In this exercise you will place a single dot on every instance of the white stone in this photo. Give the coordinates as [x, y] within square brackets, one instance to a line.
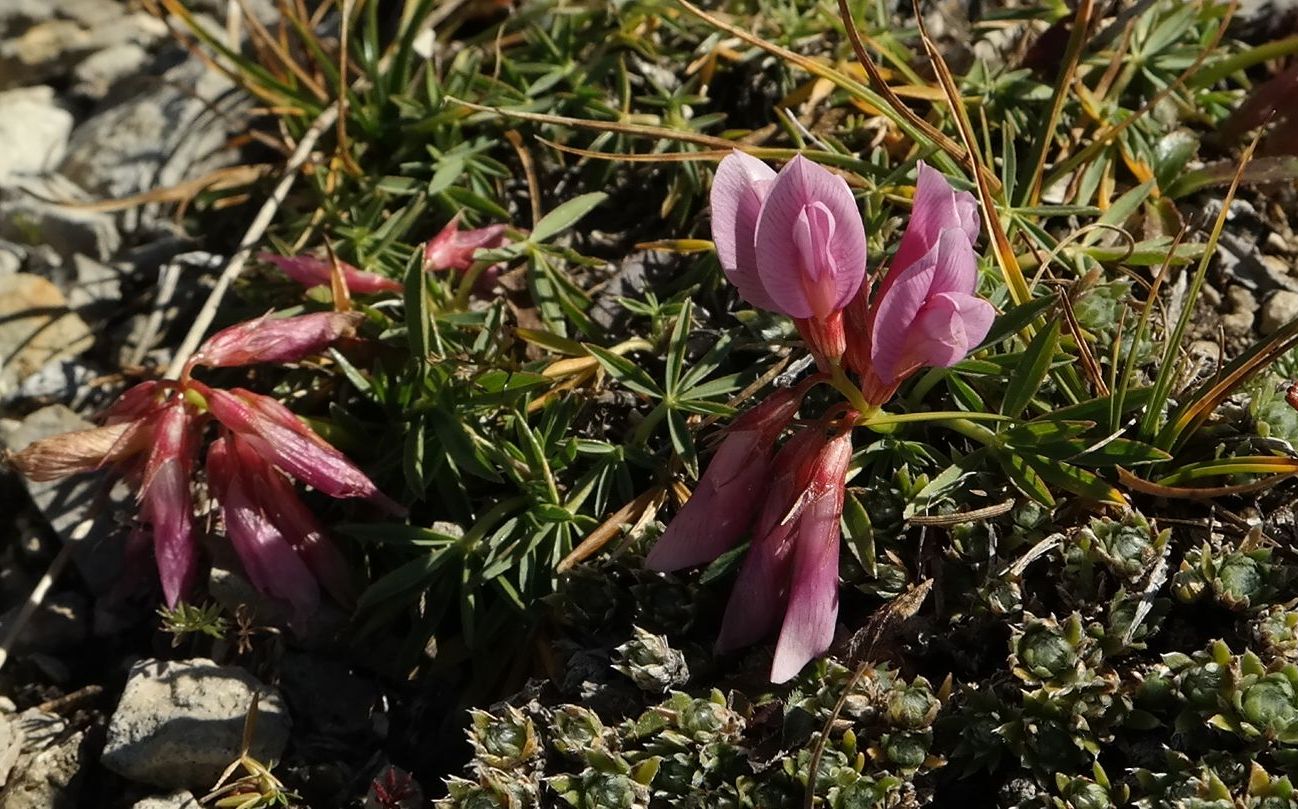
[1279, 310]
[34, 130]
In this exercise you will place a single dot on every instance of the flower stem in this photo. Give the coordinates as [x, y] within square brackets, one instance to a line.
[838, 379]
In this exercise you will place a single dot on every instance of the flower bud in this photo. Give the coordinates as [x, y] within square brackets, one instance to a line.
[276, 340]
[310, 271]
[453, 249]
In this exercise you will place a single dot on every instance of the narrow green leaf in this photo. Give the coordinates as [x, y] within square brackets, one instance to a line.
[1026, 379]
[626, 372]
[566, 215]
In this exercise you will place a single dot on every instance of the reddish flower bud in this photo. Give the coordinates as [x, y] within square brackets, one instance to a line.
[453, 249]
[310, 271]
[286, 339]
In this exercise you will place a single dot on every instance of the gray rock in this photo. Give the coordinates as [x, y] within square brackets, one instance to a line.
[42, 51]
[96, 287]
[48, 774]
[183, 284]
[1278, 311]
[74, 506]
[36, 327]
[180, 799]
[11, 746]
[34, 130]
[42, 211]
[180, 724]
[12, 257]
[1241, 309]
[100, 71]
[162, 135]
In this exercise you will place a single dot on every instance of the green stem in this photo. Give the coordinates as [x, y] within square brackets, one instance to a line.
[467, 282]
[838, 379]
[948, 417]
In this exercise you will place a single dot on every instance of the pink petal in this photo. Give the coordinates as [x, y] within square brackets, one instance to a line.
[136, 401]
[724, 503]
[276, 340]
[949, 325]
[166, 502]
[809, 620]
[937, 206]
[310, 271]
[810, 241]
[759, 593]
[956, 266]
[167, 506]
[271, 565]
[738, 190]
[895, 309]
[808, 628]
[720, 509]
[287, 443]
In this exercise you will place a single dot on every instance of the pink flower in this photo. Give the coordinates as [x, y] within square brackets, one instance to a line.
[237, 475]
[925, 312]
[285, 339]
[453, 249]
[310, 271]
[281, 438]
[721, 508]
[791, 569]
[792, 242]
[166, 503]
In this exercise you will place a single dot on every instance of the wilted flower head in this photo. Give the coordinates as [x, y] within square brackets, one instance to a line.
[791, 569]
[791, 242]
[721, 508]
[453, 249]
[285, 339]
[925, 312]
[151, 436]
[310, 271]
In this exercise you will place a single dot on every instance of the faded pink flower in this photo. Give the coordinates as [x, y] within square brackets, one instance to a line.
[790, 576]
[453, 249]
[310, 271]
[925, 313]
[791, 242]
[283, 440]
[721, 508]
[166, 503]
[238, 477]
[284, 339]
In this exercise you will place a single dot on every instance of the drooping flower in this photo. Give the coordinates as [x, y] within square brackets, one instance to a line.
[790, 576]
[721, 507]
[791, 242]
[166, 502]
[453, 249]
[238, 477]
[151, 436]
[925, 312]
[310, 271]
[285, 339]
[274, 432]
